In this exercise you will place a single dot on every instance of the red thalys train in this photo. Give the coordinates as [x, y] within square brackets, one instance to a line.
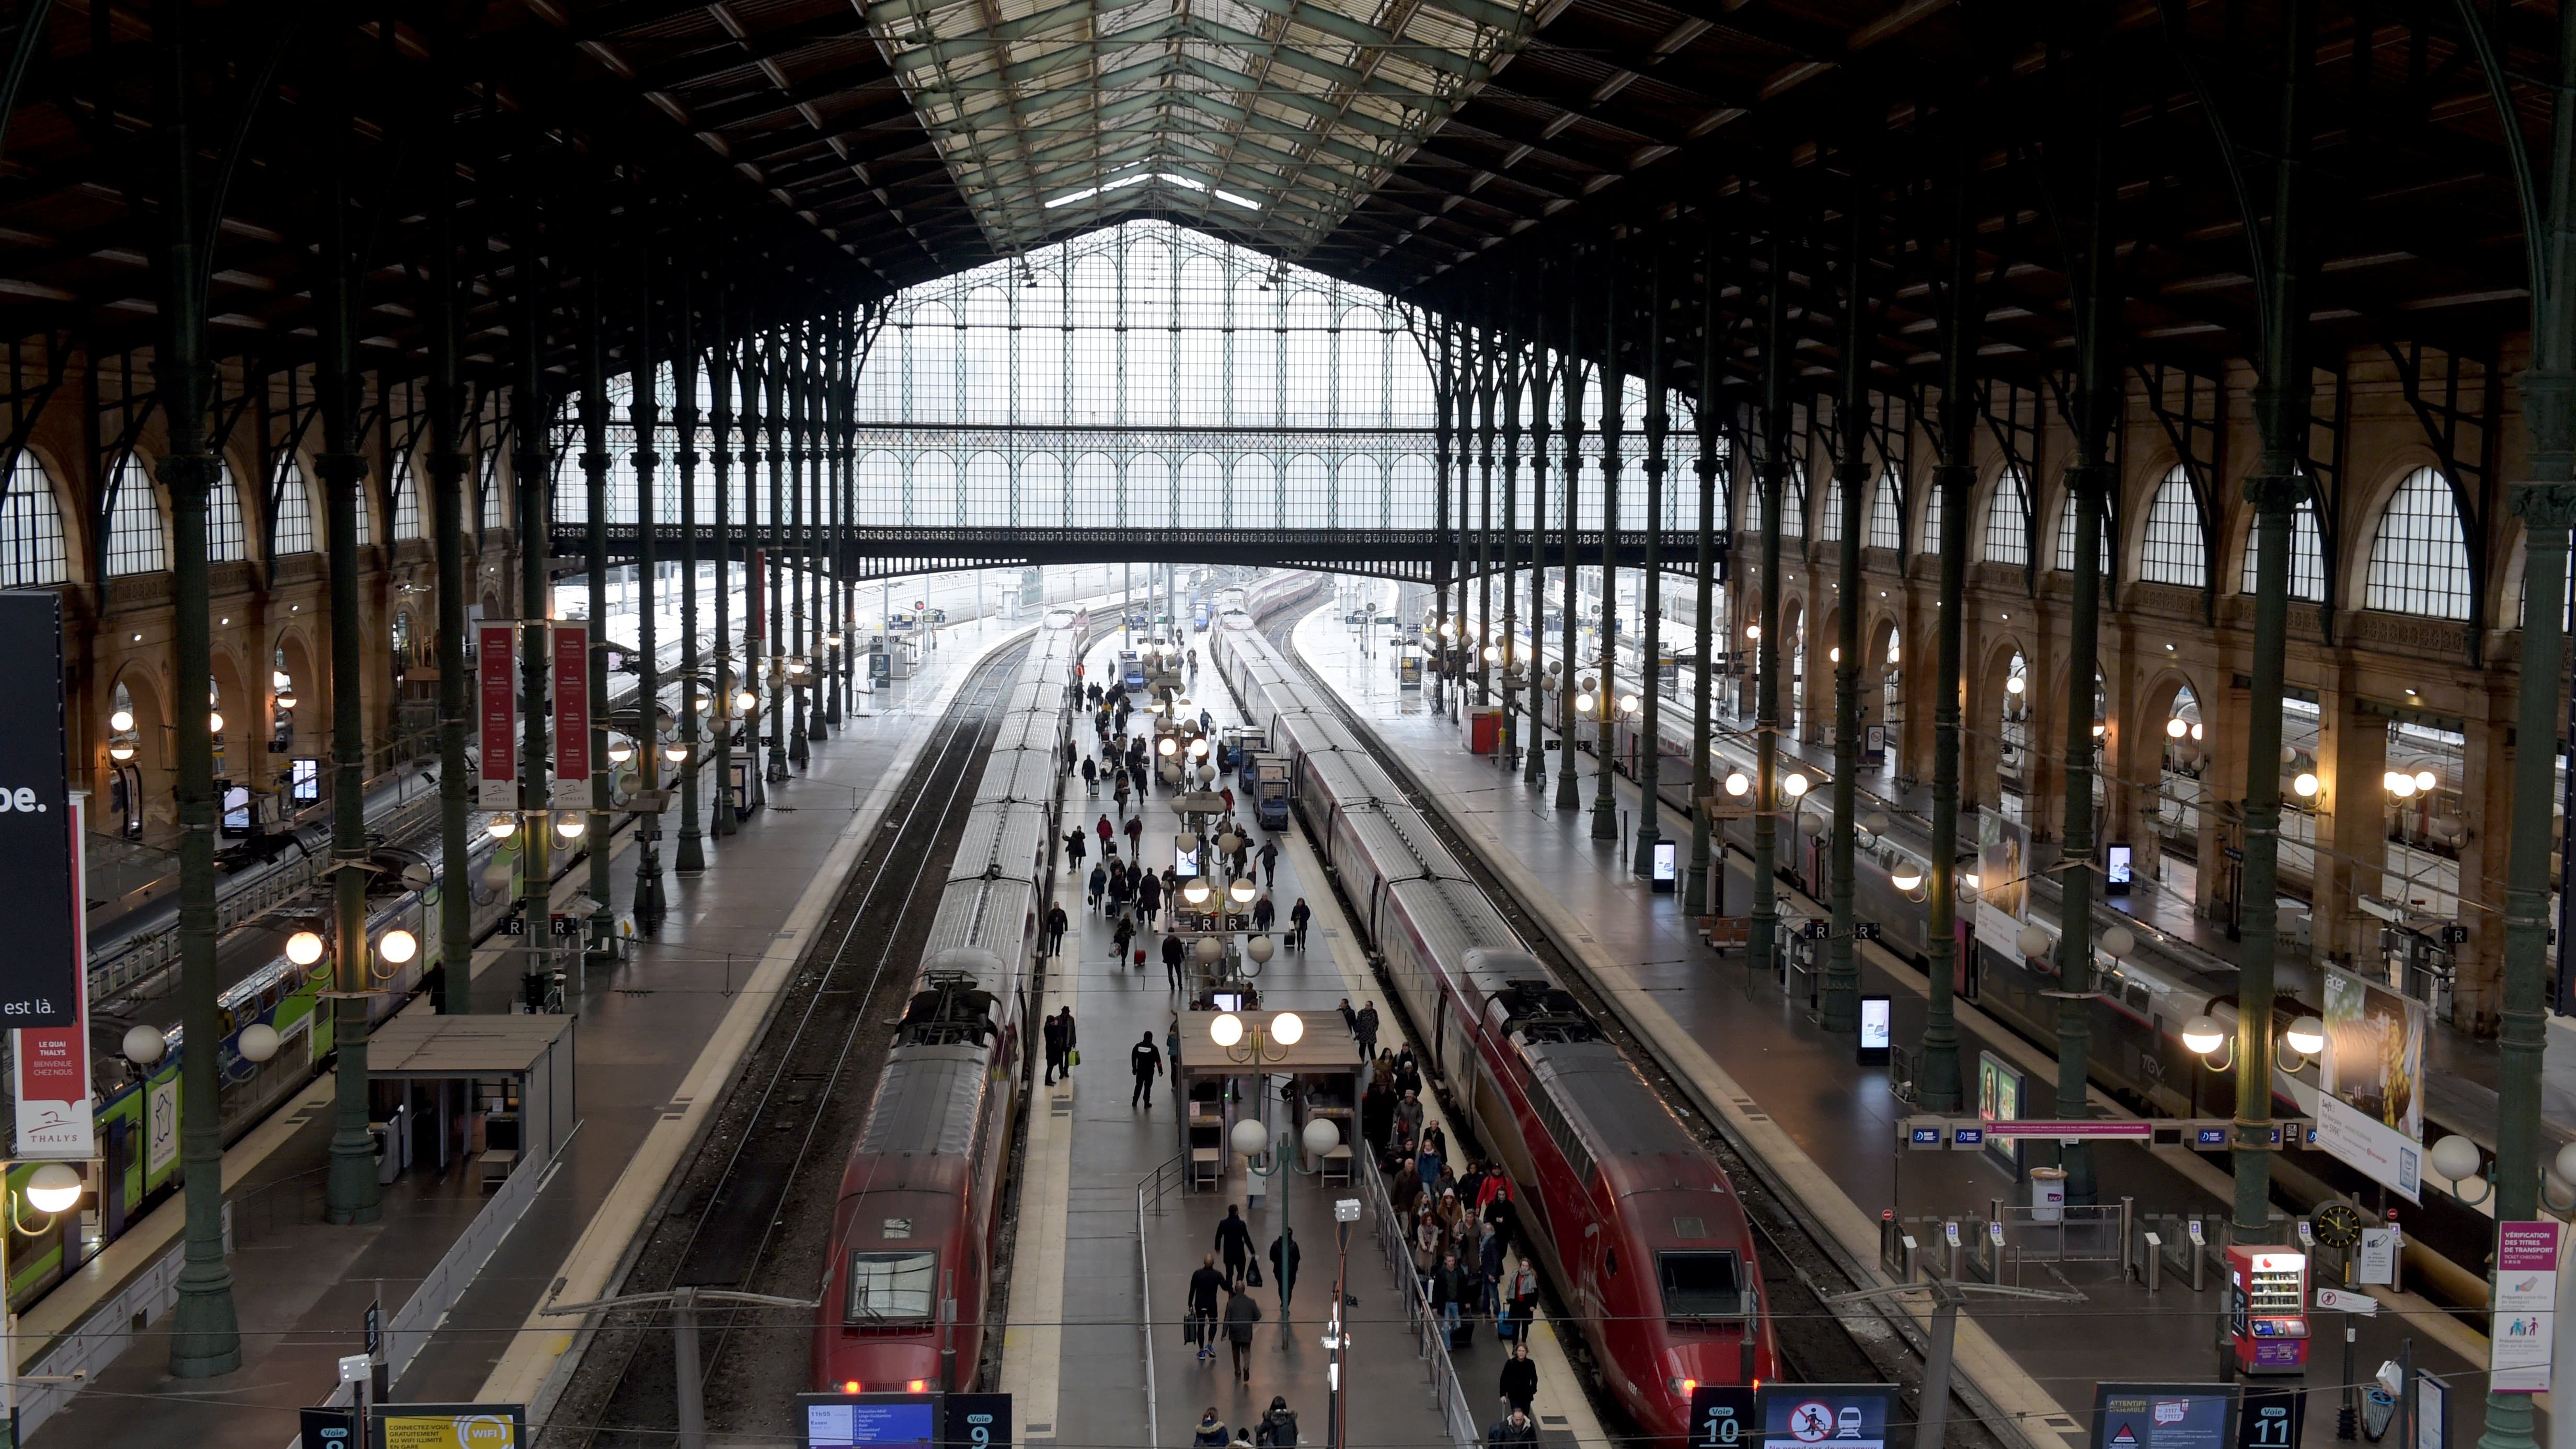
[1630, 1215]
[904, 1280]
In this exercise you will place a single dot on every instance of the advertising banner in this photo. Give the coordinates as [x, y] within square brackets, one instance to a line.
[53, 1116]
[2370, 1104]
[2524, 1313]
[2164, 1416]
[496, 653]
[2003, 880]
[40, 972]
[572, 717]
[450, 1426]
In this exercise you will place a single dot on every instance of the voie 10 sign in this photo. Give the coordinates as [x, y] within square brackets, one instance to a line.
[1825, 1416]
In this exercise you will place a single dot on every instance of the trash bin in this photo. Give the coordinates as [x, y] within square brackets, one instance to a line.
[2047, 1194]
[1484, 729]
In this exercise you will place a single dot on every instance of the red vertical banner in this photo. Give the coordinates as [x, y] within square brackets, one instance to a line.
[53, 1117]
[572, 717]
[496, 650]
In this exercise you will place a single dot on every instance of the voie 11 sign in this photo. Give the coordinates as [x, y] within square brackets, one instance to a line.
[1825, 1416]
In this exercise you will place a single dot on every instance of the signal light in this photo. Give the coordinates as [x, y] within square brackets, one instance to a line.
[917, 1386]
[850, 1386]
[1689, 1384]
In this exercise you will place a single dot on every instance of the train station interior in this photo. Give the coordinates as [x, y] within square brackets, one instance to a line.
[1383, 724]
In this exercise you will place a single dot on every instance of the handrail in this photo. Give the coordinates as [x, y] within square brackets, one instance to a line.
[1447, 1395]
[1145, 1288]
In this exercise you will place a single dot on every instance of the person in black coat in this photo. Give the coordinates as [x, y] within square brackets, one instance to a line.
[1512, 1430]
[1203, 1290]
[1283, 1267]
[1146, 1060]
[1364, 1026]
[1377, 1117]
[1173, 954]
[1053, 1031]
[1234, 1244]
[1520, 1378]
[1056, 922]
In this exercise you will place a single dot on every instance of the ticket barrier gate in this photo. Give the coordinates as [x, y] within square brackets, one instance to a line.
[1961, 1248]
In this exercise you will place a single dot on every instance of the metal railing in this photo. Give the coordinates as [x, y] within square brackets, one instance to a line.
[1149, 1193]
[1446, 1394]
[2077, 1234]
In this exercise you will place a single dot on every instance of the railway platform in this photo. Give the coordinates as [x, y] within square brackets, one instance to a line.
[1825, 1130]
[1110, 1232]
[654, 1039]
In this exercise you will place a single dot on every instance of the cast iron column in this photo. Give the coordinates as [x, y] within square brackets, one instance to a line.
[1704, 848]
[800, 452]
[534, 465]
[644, 410]
[1605, 739]
[1650, 674]
[692, 856]
[1487, 363]
[594, 473]
[721, 713]
[205, 1338]
[1534, 768]
[1444, 388]
[2090, 482]
[776, 537]
[1515, 659]
[1936, 1068]
[350, 1192]
[1569, 791]
[455, 699]
[1841, 984]
[1762, 934]
[2281, 409]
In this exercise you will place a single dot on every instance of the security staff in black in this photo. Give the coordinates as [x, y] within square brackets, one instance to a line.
[1146, 1060]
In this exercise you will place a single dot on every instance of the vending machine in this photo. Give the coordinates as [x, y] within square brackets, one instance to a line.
[2267, 1309]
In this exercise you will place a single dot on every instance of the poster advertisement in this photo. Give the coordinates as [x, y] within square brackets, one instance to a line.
[53, 1109]
[572, 717]
[496, 653]
[450, 1426]
[41, 973]
[2524, 1314]
[2003, 880]
[162, 1142]
[2164, 1416]
[2370, 1109]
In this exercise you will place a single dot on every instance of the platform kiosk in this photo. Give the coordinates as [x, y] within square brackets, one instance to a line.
[500, 1084]
[1223, 1082]
[2267, 1308]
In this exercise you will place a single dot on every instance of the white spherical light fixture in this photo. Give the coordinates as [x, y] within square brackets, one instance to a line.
[144, 1045]
[1226, 1030]
[1250, 1138]
[54, 1188]
[1287, 1028]
[257, 1042]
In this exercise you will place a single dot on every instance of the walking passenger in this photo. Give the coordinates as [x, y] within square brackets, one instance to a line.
[1240, 1314]
[1203, 1290]
[1146, 1061]
[1234, 1244]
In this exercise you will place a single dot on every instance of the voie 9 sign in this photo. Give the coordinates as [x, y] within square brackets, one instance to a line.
[40, 973]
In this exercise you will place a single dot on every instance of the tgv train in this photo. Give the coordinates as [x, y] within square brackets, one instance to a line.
[914, 1231]
[1635, 1221]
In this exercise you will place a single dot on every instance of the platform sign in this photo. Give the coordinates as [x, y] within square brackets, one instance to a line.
[847, 1421]
[449, 1426]
[54, 1120]
[1825, 1416]
[2164, 1416]
[46, 960]
[975, 1421]
[330, 1427]
[2271, 1416]
[1721, 1415]
[2523, 1313]
[496, 716]
[2370, 1096]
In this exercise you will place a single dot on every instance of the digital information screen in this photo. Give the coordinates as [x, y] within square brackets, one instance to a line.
[2164, 1416]
[1877, 1029]
[844, 1421]
[1827, 1416]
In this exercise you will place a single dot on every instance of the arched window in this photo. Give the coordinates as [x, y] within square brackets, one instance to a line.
[1932, 518]
[135, 544]
[1793, 504]
[1829, 529]
[2008, 521]
[31, 528]
[2307, 556]
[406, 499]
[2066, 542]
[224, 518]
[294, 511]
[1886, 516]
[2419, 562]
[493, 505]
[2176, 551]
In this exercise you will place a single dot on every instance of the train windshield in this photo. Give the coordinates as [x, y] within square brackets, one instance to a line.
[891, 1287]
[1700, 1285]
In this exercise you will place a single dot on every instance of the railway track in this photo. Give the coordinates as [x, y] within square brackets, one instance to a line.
[753, 1209]
[1818, 1342]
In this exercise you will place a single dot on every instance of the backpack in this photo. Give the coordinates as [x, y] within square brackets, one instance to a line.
[1279, 1430]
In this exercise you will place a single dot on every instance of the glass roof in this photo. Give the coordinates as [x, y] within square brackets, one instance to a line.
[1271, 119]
